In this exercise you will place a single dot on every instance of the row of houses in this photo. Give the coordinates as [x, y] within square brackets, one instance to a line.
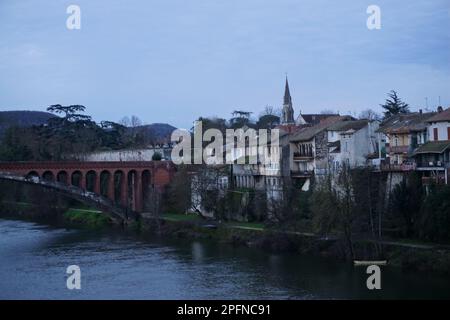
[314, 145]
[418, 141]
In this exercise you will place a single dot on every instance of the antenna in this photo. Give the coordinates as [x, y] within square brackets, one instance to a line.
[439, 100]
[426, 102]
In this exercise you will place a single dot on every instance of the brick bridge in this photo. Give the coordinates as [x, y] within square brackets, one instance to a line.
[126, 184]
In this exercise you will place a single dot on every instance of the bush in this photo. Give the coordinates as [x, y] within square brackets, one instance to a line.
[156, 156]
[435, 219]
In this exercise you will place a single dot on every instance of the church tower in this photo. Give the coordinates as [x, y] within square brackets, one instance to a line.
[287, 116]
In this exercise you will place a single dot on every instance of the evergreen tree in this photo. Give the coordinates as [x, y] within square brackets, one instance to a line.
[394, 105]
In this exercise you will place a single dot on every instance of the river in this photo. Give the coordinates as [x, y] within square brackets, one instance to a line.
[123, 265]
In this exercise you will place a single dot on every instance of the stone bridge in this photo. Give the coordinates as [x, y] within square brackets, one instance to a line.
[123, 187]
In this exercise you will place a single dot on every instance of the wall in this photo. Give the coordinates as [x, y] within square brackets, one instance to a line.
[442, 130]
[125, 155]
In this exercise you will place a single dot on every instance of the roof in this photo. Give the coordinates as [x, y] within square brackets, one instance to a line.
[315, 118]
[308, 133]
[433, 147]
[336, 145]
[348, 125]
[288, 128]
[405, 123]
[440, 116]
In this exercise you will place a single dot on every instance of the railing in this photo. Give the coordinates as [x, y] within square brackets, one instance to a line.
[300, 156]
[301, 174]
[398, 167]
[397, 149]
[433, 164]
[433, 180]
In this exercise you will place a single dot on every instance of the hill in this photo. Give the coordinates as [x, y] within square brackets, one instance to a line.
[22, 119]
[159, 132]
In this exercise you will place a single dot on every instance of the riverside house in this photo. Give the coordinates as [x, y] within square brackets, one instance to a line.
[433, 157]
[403, 134]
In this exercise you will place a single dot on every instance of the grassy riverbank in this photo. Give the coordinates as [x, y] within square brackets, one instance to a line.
[76, 217]
[403, 254]
[86, 217]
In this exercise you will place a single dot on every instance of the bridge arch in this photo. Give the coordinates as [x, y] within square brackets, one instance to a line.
[147, 187]
[32, 174]
[62, 177]
[91, 181]
[134, 189]
[76, 179]
[105, 177]
[48, 175]
[120, 195]
[117, 214]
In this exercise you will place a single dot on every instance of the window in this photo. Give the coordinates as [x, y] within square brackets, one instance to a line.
[435, 134]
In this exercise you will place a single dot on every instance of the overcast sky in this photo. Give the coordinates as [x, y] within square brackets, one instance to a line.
[174, 60]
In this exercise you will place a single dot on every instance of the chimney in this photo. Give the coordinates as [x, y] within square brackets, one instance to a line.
[420, 111]
[440, 109]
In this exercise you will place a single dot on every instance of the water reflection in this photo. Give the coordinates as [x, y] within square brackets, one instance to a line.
[122, 265]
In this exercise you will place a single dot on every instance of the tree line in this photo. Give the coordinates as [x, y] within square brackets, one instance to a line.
[71, 132]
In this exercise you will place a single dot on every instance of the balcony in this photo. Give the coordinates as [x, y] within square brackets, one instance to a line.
[426, 181]
[398, 167]
[301, 174]
[398, 149]
[433, 165]
[299, 156]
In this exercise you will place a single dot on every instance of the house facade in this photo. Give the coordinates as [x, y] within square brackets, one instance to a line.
[403, 134]
[351, 142]
[309, 152]
[433, 157]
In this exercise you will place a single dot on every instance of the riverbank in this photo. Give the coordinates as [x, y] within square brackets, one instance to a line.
[70, 217]
[407, 256]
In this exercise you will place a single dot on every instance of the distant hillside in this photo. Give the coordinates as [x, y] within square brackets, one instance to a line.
[22, 119]
[159, 131]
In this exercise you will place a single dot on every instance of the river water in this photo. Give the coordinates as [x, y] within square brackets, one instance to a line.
[123, 265]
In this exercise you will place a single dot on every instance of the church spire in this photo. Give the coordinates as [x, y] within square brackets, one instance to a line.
[288, 110]
[287, 94]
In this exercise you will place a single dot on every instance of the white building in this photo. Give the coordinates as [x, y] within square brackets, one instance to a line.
[351, 142]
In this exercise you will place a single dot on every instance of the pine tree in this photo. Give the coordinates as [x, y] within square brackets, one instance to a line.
[394, 105]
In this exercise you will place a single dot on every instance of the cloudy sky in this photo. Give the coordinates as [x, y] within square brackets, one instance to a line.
[174, 60]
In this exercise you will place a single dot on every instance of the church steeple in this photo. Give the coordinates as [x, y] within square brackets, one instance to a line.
[287, 94]
[288, 110]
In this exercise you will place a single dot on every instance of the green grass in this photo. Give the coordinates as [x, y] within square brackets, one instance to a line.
[247, 225]
[181, 217]
[20, 205]
[90, 218]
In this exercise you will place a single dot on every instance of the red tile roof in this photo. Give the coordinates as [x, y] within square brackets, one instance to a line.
[440, 116]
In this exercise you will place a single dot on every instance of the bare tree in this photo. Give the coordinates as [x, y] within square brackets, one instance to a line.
[271, 111]
[369, 114]
[125, 121]
[205, 189]
[135, 121]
